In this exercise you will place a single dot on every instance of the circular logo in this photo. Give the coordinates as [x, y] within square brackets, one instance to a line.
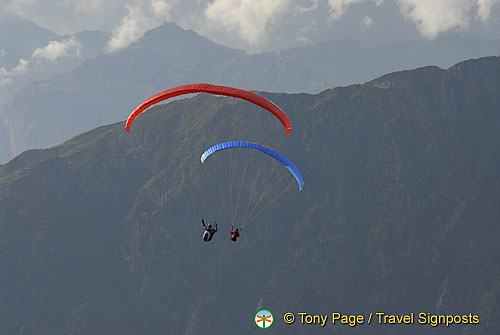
[264, 319]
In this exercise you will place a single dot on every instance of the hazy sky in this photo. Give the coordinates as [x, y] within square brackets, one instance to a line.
[263, 25]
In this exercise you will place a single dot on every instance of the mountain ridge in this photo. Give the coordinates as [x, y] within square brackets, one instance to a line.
[398, 214]
[168, 56]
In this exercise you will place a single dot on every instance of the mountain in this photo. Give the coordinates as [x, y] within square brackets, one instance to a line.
[105, 89]
[19, 38]
[340, 62]
[443, 51]
[344, 62]
[399, 214]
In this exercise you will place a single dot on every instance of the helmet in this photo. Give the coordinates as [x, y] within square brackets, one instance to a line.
[209, 225]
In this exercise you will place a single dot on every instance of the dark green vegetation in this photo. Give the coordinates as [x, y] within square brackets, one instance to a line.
[400, 213]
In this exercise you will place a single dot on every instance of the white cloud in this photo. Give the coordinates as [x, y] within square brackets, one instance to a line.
[339, 7]
[140, 18]
[2, 52]
[5, 81]
[54, 49]
[67, 48]
[367, 21]
[250, 24]
[433, 17]
[484, 9]
[314, 5]
[19, 69]
[161, 8]
[69, 16]
[247, 18]
[85, 6]
[130, 29]
[302, 34]
[76, 5]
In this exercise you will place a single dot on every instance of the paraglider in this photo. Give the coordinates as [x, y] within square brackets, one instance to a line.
[234, 234]
[208, 231]
[249, 182]
[268, 151]
[259, 195]
[212, 89]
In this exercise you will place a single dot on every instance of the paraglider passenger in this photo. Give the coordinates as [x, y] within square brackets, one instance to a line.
[209, 230]
[234, 234]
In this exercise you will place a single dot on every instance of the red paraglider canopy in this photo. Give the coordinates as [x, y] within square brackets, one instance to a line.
[212, 89]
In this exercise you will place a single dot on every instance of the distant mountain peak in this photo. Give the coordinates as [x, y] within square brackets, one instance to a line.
[174, 35]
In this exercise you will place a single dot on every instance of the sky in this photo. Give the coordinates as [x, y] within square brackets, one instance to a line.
[267, 25]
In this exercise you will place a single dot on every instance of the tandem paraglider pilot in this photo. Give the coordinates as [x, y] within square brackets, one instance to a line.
[234, 234]
[209, 231]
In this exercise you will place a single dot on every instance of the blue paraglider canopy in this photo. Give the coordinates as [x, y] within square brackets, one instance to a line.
[268, 151]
